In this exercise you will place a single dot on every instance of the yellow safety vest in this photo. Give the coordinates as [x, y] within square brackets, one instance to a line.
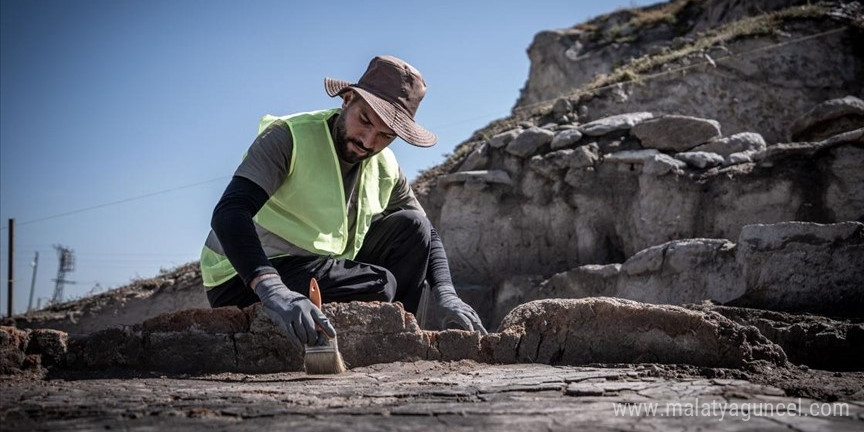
[309, 208]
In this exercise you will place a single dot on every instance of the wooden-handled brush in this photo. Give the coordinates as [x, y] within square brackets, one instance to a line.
[322, 359]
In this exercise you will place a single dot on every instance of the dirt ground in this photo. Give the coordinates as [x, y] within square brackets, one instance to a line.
[451, 396]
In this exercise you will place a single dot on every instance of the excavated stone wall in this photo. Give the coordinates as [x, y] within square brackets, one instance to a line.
[608, 195]
[557, 332]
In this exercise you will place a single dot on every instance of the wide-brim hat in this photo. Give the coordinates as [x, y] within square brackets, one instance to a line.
[394, 89]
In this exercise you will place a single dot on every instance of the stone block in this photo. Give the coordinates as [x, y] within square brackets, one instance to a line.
[504, 138]
[457, 344]
[609, 330]
[219, 320]
[614, 123]
[189, 352]
[500, 347]
[113, 347]
[477, 159]
[366, 317]
[366, 349]
[675, 132]
[738, 143]
[530, 142]
[700, 160]
[661, 164]
[51, 345]
[565, 138]
[268, 353]
[13, 345]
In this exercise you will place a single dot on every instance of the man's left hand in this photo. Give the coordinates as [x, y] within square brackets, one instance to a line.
[453, 311]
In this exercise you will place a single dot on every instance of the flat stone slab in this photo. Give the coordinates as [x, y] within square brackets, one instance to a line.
[614, 123]
[676, 132]
[414, 396]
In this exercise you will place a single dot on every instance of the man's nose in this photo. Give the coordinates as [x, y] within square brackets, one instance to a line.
[367, 139]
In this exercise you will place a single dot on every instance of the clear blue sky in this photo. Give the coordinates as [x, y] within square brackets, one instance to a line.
[105, 101]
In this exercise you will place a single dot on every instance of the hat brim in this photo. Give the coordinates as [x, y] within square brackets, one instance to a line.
[392, 115]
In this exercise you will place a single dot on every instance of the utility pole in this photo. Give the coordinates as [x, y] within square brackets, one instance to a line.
[11, 263]
[35, 265]
[67, 264]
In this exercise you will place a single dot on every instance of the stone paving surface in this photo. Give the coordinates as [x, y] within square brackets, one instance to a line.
[407, 396]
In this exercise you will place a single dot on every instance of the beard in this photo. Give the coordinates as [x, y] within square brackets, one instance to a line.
[343, 143]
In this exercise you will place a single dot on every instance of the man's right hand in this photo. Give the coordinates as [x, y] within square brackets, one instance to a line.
[293, 312]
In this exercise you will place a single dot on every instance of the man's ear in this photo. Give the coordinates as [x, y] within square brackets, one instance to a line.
[347, 97]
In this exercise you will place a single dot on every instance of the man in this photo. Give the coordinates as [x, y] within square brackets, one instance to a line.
[320, 195]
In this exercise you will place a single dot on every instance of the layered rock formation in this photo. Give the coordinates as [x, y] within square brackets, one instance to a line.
[791, 266]
[731, 61]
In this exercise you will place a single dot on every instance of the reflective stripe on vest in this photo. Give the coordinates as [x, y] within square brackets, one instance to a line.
[309, 208]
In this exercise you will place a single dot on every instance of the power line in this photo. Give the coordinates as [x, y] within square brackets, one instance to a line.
[72, 212]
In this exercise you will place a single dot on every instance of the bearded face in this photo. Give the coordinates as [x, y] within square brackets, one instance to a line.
[359, 133]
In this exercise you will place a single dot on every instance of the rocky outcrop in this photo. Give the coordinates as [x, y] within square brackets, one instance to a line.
[595, 202]
[747, 74]
[567, 59]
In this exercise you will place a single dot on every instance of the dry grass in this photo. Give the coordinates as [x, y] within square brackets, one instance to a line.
[752, 26]
[666, 13]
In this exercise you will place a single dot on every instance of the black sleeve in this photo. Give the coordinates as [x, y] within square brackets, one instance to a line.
[438, 271]
[232, 223]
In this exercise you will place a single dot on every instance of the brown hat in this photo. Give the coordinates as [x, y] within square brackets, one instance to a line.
[394, 89]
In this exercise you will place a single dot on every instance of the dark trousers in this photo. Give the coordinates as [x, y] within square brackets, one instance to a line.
[390, 266]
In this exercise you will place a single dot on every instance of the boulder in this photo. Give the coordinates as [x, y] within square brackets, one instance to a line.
[552, 164]
[614, 123]
[829, 118]
[738, 143]
[530, 142]
[566, 138]
[738, 158]
[701, 160]
[661, 164]
[675, 132]
[477, 159]
[803, 267]
[504, 138]
[610, 330]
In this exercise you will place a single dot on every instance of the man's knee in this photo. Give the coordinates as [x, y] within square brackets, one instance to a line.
[413, 221]
[385, 292]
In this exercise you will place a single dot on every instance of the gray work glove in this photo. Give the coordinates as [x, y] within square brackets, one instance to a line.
[453, 311]
[293, 312]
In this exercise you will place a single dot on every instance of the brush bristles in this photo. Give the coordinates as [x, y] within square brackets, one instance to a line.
[324, 359]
